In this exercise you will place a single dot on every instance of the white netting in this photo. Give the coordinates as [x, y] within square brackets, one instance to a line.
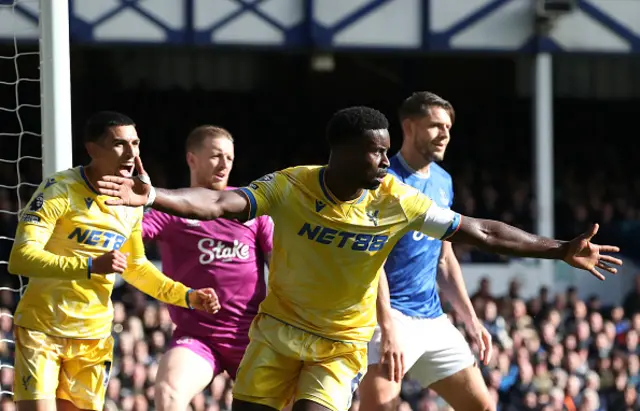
[20, 153]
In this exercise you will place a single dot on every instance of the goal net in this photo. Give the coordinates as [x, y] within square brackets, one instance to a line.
[20, 153]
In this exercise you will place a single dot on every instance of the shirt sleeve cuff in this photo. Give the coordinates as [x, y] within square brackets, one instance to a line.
[253, 205]
[187, 299]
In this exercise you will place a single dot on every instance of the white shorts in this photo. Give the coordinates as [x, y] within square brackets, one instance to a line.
[433, 348]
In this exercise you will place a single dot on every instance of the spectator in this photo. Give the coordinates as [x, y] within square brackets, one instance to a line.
[631, 302]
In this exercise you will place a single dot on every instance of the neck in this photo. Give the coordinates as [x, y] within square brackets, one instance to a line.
[194, 184]
[340, 187]
[415, 160]
[93, 174]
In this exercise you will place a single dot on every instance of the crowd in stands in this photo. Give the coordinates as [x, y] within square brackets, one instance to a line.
[553, 352]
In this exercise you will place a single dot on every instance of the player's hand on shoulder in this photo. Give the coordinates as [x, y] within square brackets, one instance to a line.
[108, 263]
[129, 191]
[205, 299]
[585, 255]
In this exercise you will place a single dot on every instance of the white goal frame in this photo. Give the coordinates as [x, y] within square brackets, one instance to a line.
[55, 99]
[55, 86]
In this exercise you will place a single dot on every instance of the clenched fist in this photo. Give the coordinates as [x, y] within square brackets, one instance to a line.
[108, 263]
[204, 299]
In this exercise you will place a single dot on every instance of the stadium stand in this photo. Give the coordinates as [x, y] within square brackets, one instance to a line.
[551, 353]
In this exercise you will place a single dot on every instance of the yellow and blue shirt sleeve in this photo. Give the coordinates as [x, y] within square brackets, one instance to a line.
[37, 223]
[265, 194]
[425, 215]
[143, 275]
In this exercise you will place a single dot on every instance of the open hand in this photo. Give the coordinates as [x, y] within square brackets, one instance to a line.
[205, 299]
[482, 338]
[129, 191]
[583, 254]
[391, 355]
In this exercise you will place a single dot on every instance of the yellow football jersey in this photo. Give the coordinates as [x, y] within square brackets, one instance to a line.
[327, 253]
[64, 227]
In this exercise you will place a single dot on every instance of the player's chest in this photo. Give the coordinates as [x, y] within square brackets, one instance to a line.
[346, 226]
[367, 214]
[439, 193]
[219, 240]
[90, 222]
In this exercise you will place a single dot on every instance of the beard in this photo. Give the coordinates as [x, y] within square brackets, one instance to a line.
[428, 153]
[206, 180]
[371, 185]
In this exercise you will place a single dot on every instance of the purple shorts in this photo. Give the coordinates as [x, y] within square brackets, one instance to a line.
[221, 356]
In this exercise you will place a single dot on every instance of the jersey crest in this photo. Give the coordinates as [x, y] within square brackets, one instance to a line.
[37, 203]
[444, 197]
[51, 181]
[373, 216]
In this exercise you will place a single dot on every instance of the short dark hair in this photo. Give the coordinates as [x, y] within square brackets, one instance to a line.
[200, 133]
[354, 122]
[418, 104]
[96, 126]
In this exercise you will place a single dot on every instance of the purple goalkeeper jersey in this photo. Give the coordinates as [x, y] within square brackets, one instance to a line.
[225, 255]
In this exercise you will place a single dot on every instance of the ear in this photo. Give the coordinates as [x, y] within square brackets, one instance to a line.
[191, 159]
[407, 127]
[92, 149]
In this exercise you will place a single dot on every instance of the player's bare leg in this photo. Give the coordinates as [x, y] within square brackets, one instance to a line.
[465, 390]
[47, 405]
[36, 405]
[239, 405]
[181, 375]
[306, 405]
[377, 392]
[64, 405]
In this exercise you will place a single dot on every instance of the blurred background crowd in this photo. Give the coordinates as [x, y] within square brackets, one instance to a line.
[551, 353]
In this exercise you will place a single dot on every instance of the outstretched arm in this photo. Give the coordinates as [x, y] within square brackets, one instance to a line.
[197, 203]
[202, 203]
[500, 238]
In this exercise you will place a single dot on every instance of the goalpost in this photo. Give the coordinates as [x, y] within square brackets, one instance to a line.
[55, 86]
[44, 24]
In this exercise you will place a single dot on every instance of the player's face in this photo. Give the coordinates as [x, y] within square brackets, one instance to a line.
[116, 151]
[212, 163]
[370, 161]
[429, 134]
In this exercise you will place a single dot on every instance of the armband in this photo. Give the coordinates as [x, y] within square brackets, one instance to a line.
[152, 197]
[152, 193]
[187, 299]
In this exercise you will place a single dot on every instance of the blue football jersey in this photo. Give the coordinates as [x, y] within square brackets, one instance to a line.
[412, 265]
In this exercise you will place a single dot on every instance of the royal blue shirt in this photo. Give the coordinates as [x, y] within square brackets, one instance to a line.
[413, 263]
